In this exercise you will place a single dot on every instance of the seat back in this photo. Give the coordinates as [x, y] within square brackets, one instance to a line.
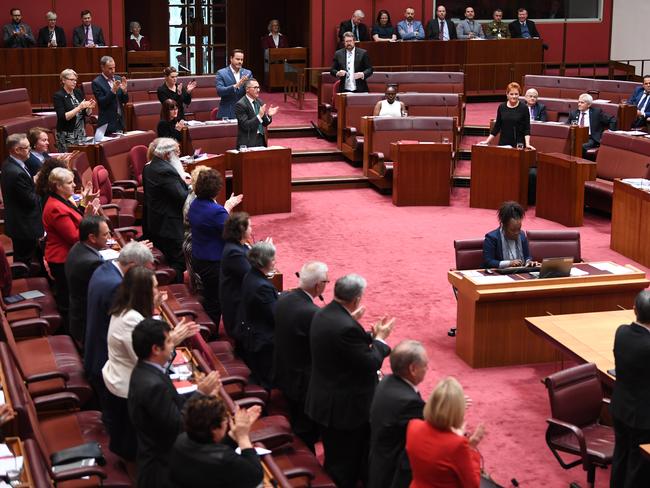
[326, 88]
[386, 130]
[554, 244]
[575, 394]
[418, 81]
[143, 89]
[137, 160]
[114, 154]
[81, 168]
[102, 182]
[144, 115]
[214, 139]
[201, 108]
[206, 85]
[469, 253]
[621, 156]
[548, 138]
[14, 103]
[572, 87]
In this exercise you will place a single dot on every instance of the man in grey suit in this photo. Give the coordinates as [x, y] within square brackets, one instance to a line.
[17, 33]
[253, 116]
[230, 84]
[87, 35]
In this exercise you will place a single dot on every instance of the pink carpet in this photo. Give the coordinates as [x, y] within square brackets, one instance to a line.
[289, 114]
[479, 114]
[329, 168]
[303, 143]
[405, 253]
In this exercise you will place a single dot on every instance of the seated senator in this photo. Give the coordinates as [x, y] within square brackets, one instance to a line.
[170, 125]
[390, 107]
[137, 42]
[507, 246]
[383, 30]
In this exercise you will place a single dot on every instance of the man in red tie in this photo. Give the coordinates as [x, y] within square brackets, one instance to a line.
[87, 35]
[440, 28]
[593, 118]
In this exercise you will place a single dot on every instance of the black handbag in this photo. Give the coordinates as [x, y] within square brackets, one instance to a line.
[90, 450]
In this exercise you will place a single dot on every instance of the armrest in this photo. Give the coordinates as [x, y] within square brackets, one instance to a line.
[576, 431]
[250, 402]
[19, 270]
[57, 401]
[20, 306]
[50, 375]
[127, 230]
[26, 328]
[298, 472]
[349, 131]
[376, 162]
[118, 191]
[182, 312]
[229, 380]
[125, 183]
[111, 206]
[77, 473]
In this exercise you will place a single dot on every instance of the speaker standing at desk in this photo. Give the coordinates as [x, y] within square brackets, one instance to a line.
[252, 116]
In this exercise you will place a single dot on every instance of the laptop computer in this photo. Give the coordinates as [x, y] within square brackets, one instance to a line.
[556, 268]
[99, 133]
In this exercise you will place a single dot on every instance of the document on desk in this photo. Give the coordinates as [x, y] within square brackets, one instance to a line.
[612, 268]
[492, 279]
[473, 273]
[578, 272]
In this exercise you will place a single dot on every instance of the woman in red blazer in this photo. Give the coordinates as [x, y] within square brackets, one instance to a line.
[440, 454]
[274, 38]
[61, 219]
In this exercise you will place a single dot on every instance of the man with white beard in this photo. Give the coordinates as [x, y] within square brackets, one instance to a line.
[165, 191]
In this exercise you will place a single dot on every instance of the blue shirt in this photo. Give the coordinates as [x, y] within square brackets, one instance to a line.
[206, 221]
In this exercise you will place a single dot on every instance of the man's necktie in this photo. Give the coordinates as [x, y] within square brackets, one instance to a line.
[86, 35]
[53, 38]
[581, 123]
[260, 126]
[356, 33]
[409, 27]
[441, 34]
[643, 102]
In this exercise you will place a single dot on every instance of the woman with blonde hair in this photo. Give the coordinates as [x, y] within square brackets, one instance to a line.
[440, 454]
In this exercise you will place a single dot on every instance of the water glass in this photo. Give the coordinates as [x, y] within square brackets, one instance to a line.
[243, 148]
[445, 140]
[520, 145]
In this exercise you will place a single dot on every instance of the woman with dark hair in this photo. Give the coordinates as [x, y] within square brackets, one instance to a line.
[42, 185]
[258, 299]
[200, 459]
[40, 143]
[507, 246]
[207, 218]
[70, 107]
[135, 300]
[170, 124]
[383, 30]
[175, 91]
[238, 237]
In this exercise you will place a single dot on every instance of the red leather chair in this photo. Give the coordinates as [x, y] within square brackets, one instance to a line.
[120, 211]
[576, 398]
[213, 113]
[137, 161]
[469, 253]
[554, 244]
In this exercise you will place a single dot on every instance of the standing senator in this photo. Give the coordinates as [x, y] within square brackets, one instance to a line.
[630, 405]
[345, 361]
[230, 84]
[641, 98]
[593, 118]
[17, 33]
[87, 35]
[253, 116]
[110, 91]
[51, 35]
[352, 66]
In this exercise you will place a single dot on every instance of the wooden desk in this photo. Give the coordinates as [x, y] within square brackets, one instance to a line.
[421, 173]
[263, 177]
[630, 233]
[144, 64]
[490, 322]
[17, 447]
[274, 64]
[499, 174]
[561, 187]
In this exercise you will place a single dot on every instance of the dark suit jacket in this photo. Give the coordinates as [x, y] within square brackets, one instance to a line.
[234, 267]
[292, 363]
[394, 404]
[346, 26]
[345, 361]
[79, 36]
[247, 122]
[167, 128]
[34, 164]
[22, 205]
[493, 251]
[107, 102]
[267, 42]
[540, 112]
[101, 291]
[197, 465]
[165, 193]
[226, 90]
[631, 395]
[155, 411]
[515, 29]
[361, 64]
[433, 29]
[181, 100]
[258, 300]
[44, 37]
[62, 102]
[598, 122]
[636, 98]
[81, 263]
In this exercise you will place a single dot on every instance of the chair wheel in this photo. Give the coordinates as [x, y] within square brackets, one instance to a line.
[452, 332]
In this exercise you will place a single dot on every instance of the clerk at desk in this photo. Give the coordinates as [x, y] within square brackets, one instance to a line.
[507, 246]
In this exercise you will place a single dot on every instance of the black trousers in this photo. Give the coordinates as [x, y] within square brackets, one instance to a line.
[303, 426]
[61, 295]
[209, 273]
[590, 144]
[25, 250]
[173, 251]
[346, 455]
[629, 468]
[123, 439]
[260, 363]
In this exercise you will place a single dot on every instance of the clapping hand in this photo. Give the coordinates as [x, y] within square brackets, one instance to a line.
[191, 86]
[180, 124]
[209, 385]
[341, 73]
[383, 327]
[184, 330]
[6, 413]
[233, 201]
[179, 87]
[358, 313]
[241, 81]
[124, 84]
[476, 437]
[262, 111]
[273, 109]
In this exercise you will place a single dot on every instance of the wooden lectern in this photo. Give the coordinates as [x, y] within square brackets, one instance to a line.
[146, 62]
[274, 64]
[631, 222]
[561, 187]
[421, 173]
[263, 176]
[499, 174]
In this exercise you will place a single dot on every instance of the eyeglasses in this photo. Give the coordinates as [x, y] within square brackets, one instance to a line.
[71, 79]
[255, 87]
[24, 148]
[324, 281]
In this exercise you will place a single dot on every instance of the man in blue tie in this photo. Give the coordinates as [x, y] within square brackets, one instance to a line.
[522, 28]
[641, 98]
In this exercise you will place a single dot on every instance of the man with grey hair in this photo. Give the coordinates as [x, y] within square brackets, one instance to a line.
[292, 362]
[593, 118]
[110, 91]
[23, 220]
[356, 26]
[101, 291]
[396, 401]
[345, 361]
[165, 192]
[51, 35]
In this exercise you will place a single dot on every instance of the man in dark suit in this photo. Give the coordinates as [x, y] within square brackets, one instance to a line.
[80, 264]
[352, 66]
[630, 405]
[441, 28]
[230, 84]
[292, 362]
[87, 35]
[101, 291]
[17, 33]
[153, 402]
[396, 401]
[253, 116]
[356, 26]
[165, 192]
[51, 35]
[641, 98]
[110, 91]
[593, 118]
[22, 205]
[522, 27]
[345, 361]
[536, 110]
